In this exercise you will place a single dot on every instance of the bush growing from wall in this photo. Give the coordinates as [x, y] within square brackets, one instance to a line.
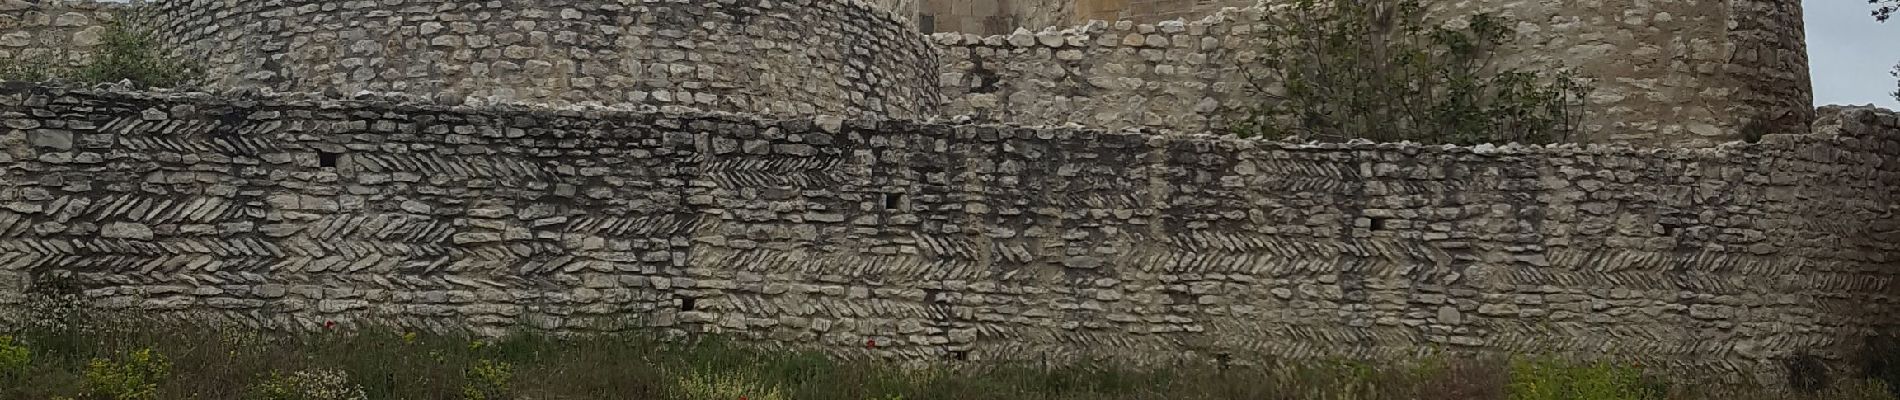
[1337, 70]
[128, 51]
[32, 69]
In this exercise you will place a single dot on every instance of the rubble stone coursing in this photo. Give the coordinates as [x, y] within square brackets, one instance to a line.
[951, 241]
[1662, 73]
[991, 17]
[994, 17]
[798, 57]
[54, 33]
[1690, 74]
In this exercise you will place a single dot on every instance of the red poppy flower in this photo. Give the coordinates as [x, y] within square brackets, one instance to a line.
[870, 344]
[329, 324]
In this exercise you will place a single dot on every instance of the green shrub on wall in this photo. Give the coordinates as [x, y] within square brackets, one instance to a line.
[32, 69]
[1342, 69]
[128, 51]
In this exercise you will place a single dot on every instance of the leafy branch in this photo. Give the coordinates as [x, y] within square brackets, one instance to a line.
[1343, 69]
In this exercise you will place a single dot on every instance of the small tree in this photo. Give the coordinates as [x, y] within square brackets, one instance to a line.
[1345, 69]
[130, 51]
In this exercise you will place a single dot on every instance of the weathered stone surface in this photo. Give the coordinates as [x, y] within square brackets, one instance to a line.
[1031, 240]
[56, 33]
[789, 58]
[123, 230]
[1449, 315]
[1008, 242]
[54, 139]
[1727, 70]
[1184, 65]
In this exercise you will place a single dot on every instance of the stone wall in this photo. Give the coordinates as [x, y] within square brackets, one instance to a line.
[904, 9]
[783, 57]
[998, 17]
[943, 241]
[51, 32]
[994, 16]
[1666, 74]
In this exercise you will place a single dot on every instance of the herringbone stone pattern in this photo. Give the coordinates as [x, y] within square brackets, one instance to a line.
[950, 241]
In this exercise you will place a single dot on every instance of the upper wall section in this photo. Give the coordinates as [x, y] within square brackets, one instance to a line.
[780, 57]
[1666, 74]
[905, 9]
[993, 17]
[51, 32]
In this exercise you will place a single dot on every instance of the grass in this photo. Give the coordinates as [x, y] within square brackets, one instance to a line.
[155, 360]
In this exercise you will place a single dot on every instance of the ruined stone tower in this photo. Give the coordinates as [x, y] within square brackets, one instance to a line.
[1690, 73]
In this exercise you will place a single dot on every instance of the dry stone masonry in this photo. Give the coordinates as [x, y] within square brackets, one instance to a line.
[1665, 73]
[1662, 73]
[440, 164]
[951, 241]
[993, 17]
[796, 57]
[55, 33]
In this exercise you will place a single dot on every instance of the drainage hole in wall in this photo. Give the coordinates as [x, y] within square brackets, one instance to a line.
[327, 159]
[893, 200]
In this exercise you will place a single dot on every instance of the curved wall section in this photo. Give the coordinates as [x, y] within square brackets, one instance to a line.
[780, 57]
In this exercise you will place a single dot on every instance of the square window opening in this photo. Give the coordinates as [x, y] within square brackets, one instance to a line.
[327, 159]
[893, 201]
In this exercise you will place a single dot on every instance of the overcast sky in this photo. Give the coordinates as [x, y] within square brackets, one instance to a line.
[1850, 53]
